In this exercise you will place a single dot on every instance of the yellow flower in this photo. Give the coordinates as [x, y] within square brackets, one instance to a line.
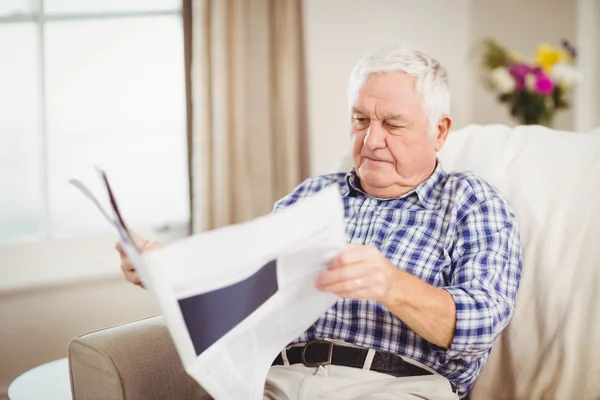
[547, 56]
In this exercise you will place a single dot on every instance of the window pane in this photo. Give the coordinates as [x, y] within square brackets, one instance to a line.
[116, 98]
[102, 6]
[20, 185]
[10, 8]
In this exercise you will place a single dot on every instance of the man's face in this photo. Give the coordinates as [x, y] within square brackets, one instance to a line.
[392, 150]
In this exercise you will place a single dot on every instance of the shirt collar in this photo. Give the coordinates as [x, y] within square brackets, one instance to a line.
[427, 192]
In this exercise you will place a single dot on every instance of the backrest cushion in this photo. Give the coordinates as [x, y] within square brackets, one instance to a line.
[551, 348]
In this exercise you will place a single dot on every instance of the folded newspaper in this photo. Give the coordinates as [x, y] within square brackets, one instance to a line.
[234, 297]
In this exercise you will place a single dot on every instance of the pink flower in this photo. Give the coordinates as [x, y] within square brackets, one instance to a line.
[520, 71]
[544, 84]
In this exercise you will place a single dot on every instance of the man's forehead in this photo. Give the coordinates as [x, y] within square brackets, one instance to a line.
[383, 109]
[380, 114]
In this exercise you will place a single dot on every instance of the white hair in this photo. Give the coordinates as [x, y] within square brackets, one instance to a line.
[432, 79]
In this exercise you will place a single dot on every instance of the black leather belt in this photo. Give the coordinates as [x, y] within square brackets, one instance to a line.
[322, 352]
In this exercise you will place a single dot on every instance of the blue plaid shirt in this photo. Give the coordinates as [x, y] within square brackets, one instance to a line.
[454, 231]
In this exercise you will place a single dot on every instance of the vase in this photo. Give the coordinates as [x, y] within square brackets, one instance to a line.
[535, 120]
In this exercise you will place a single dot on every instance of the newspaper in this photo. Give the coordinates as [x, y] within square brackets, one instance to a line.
[233, 298]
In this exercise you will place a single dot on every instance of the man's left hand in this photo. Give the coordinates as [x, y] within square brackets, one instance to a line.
[359, 272]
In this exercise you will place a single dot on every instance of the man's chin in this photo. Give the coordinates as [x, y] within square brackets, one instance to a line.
[374, 179]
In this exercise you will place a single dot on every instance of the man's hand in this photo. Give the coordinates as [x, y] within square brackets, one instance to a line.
[360, 272]
[126, 266]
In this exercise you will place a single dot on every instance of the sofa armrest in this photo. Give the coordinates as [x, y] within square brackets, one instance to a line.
[134, 361]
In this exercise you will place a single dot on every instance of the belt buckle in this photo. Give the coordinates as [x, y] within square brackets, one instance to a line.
[318, 363]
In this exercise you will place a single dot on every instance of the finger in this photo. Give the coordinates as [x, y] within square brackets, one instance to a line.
[359, 294]
[126, 265]
[355, 246]
[348, 288]
[350, 273]
[354, 253]
[135, 279]
[152, 246]
[132, 277]
[346, 258]
[122, 254]
[335, 263]
[139, 241]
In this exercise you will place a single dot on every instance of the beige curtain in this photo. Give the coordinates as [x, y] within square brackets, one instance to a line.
[248, 140]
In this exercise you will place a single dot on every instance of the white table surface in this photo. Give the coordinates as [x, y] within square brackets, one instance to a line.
[47, 381]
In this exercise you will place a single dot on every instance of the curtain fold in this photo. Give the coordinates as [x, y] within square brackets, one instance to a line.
[249, 137]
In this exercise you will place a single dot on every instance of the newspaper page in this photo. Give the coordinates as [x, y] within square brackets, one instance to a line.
[233, 298]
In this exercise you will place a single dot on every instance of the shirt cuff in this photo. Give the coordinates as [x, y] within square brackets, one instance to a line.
[476, 324]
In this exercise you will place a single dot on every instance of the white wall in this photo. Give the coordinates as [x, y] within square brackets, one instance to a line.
[339, 32]
[587, 110]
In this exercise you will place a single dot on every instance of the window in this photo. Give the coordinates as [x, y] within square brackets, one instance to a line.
[88, 83]
[83, 83]
[21, 209]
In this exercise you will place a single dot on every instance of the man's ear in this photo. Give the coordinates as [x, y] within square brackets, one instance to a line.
[442, 130]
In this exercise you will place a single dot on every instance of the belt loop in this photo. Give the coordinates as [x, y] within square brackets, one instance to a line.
[284, 358]
[369, 359]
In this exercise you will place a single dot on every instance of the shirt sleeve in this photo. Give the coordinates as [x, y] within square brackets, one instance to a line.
[486, 274]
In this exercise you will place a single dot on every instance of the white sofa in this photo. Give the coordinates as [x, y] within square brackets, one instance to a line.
[551, 348]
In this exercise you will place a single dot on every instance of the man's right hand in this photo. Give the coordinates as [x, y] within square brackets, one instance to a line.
[126, 266]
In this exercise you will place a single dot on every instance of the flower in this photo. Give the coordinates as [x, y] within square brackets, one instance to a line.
[502, 80]
[520, 72]
[534, 91]
[565, 75]
[547, 56]
[531, 81]
[544, 84]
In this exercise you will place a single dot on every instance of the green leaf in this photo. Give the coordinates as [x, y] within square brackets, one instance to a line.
[492, 54]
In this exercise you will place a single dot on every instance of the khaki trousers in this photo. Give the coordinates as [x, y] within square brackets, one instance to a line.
[333, 382]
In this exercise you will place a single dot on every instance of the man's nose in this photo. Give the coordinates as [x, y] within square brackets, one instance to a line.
[375, 138]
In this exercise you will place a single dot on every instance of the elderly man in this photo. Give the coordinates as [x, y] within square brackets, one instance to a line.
[430, 275]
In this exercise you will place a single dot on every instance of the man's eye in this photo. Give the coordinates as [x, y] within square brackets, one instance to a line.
[395, 126]
[361, 122]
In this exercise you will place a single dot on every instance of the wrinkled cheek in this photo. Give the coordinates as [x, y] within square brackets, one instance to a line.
[357, 144]
[407, 164]
[407, 160]
[357, 139]
[414, 162]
